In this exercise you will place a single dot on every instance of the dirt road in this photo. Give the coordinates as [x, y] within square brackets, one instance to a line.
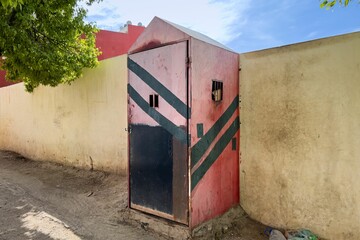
[40, 200]
[49, 201]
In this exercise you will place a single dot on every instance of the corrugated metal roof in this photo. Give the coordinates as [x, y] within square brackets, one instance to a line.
[198, 35]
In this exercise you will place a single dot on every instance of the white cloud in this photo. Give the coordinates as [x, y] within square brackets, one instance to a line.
[313, 34]
[217, 19]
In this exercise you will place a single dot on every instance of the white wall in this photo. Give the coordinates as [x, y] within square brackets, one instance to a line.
[71, 124]
[300, 136]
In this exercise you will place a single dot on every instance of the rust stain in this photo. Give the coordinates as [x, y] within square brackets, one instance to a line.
[148, 45]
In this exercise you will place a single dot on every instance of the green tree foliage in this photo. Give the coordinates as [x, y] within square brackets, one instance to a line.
[45, 42]
[11, 3]
[331, 3]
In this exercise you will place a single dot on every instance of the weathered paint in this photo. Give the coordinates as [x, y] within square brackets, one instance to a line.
[178, 104]
[81, 125]
[151, 167]
[213, 126]
[214, 165]
[162, 32]
[300, 115]
[158, 137]
[156, 34]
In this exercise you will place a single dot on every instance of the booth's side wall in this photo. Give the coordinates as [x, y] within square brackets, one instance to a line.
[214, 130]
[300, 154]
[80, 125]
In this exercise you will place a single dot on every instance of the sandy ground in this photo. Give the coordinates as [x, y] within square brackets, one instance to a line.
[40, 200]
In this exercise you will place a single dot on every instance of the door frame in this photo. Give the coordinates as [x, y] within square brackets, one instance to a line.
[188, 144]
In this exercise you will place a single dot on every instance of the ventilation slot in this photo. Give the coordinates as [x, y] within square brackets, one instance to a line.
[154, 100]
[217, 91]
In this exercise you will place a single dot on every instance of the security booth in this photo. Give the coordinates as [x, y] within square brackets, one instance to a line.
[183, 114]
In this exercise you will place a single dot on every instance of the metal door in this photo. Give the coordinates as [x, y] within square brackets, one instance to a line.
[158, 119]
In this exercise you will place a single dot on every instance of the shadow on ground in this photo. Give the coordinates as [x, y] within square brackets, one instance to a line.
[92, 204]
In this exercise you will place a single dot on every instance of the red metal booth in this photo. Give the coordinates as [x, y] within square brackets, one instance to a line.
[183, 112]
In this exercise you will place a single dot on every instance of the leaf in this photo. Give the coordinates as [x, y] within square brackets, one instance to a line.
[323, 4]
[332, 3]
[46, 42]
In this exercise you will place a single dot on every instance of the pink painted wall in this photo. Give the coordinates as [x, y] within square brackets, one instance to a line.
[218, 189]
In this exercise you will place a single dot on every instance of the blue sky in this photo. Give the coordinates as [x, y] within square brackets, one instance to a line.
[242, 25]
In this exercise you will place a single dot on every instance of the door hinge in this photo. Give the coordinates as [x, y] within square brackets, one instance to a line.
[128, 129]
[188, 61]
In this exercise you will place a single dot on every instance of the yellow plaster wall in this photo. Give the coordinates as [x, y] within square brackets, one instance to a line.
[81, 125]
[300, 136]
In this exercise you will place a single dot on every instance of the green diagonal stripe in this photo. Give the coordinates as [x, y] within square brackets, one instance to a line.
[176, 131]
[165, 93]
[215, 153]
[198, 150]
